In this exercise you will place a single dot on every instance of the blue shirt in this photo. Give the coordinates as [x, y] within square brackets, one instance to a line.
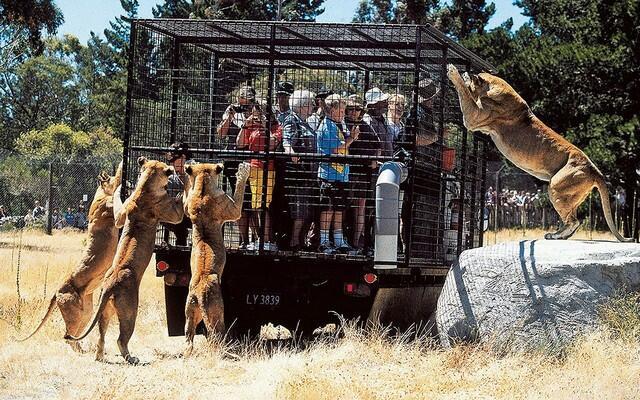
[329, 138]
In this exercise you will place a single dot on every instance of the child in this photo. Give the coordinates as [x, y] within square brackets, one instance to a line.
[253, 137]
[332, 138]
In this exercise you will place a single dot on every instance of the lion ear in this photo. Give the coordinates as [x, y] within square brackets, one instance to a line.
[188, 170]
[168, 171]
[219, 168]
[142, 160]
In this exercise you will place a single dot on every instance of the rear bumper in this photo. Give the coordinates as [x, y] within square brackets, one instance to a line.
[298, 293]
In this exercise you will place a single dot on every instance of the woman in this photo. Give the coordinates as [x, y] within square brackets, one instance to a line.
[253, 136]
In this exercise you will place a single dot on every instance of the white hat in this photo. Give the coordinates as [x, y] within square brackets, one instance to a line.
[375, 95]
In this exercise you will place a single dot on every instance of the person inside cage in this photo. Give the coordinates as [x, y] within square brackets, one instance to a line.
[228, 129]
[316, 118]
[253, 136]
[284, 90]
[178, 156]
[395, 119]
[333, 175]
[298, 137]
[361, 173]
[375, 119]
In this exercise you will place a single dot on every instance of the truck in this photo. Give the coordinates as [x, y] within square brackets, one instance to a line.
[416, 197]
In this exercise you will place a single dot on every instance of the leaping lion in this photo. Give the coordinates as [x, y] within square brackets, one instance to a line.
[74, 298]
[491, 106]
[140, 214]
[208, 207]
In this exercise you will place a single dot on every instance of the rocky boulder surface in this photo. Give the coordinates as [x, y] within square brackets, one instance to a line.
[530, 294]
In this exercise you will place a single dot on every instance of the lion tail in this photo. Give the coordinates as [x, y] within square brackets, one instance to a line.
[52, 306]
[606, 208]
[102, 303]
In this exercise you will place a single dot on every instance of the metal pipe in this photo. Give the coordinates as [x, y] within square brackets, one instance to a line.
[391, 175]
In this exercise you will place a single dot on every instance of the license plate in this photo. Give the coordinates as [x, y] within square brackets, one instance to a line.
[263, 299]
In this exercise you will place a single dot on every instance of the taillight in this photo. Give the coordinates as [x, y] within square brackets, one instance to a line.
[348, 288]
[162, 266]
[370, 278]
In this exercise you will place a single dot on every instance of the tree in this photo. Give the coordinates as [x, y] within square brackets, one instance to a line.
[398, 12]
[43, 90]
[28, 18]
[58, 142]
[260, 10]
[466, 17]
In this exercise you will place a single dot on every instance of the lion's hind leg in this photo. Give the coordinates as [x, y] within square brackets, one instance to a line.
[213, 306]
[103, 324]
[126, 305]
[193, 317]
[567, 190]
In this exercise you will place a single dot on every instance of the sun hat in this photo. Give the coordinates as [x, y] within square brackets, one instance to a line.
[375, 95]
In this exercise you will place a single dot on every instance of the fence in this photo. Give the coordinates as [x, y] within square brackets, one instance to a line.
[32, 187]
[516, 200]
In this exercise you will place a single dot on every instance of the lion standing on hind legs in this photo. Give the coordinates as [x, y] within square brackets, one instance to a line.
[140, 214]
[491, 106]
[74, 298]
[208, 207]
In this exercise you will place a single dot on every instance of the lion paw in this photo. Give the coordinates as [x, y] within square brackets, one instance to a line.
[243, 172]
[452, 72]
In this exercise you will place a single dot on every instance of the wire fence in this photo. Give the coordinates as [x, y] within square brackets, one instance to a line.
[515, 200]
[48, 193]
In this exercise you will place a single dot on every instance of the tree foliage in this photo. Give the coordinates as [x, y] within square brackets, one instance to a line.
[260, 10]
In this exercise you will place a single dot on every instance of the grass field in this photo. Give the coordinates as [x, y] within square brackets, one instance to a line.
[362, 365]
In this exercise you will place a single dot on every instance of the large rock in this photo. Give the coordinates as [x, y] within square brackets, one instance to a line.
[533, 293]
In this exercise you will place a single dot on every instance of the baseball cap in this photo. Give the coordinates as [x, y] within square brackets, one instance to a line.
[177, 150]
[323, 93]
[375, 95]
[284, 87]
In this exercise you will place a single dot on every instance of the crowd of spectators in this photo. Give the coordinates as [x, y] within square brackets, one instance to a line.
[520, 208]
[72, 218]
[329, 200]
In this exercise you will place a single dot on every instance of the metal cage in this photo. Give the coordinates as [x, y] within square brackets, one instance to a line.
[186, 75]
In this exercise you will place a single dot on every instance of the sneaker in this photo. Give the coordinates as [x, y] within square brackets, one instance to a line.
[268, 246]
[345, 248]
[327, 248]
[243, 246]
[254, 246]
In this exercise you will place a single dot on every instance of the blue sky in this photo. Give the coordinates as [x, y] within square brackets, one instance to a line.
[84, 16]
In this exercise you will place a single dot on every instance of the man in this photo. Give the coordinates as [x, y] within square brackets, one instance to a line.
[284, 90]
[229, 128]
[178, 156]
[375, 119]
[38, 211]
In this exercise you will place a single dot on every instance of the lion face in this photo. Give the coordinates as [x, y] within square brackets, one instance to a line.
[493, 94]
[154, 174]
[206, 177]
[110, 183]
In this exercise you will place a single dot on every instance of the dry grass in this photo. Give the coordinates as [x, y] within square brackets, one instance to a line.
[364, 364]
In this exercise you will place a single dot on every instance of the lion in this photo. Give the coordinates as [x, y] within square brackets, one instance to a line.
[208, 207]
[140, 214]
[74, 298]
[491, 106]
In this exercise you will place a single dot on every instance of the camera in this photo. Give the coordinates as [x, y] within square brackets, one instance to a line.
[240, 108]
